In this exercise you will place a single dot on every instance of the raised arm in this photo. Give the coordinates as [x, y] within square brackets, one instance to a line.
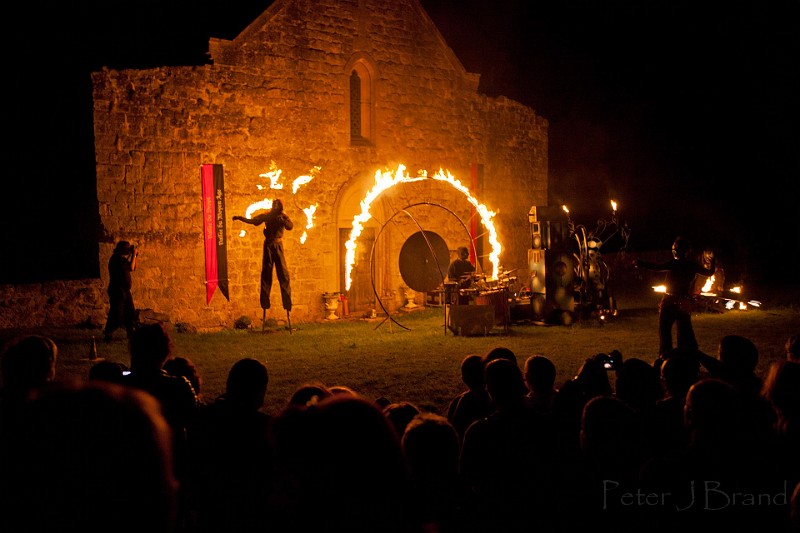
[246, 220]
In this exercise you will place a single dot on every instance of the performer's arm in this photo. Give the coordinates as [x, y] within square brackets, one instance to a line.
[253, 221]
[641, 263]
[287, 222]
[134, 255]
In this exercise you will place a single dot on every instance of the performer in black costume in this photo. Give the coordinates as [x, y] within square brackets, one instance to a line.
[461, 267]
[121, 311]
[676, 305]
[275, 222]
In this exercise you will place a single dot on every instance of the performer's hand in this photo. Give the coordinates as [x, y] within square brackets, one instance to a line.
[237, 217]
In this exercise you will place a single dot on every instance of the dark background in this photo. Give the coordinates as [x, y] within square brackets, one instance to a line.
[682, 111]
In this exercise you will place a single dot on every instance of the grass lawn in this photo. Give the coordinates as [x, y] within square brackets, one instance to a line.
[421, 364]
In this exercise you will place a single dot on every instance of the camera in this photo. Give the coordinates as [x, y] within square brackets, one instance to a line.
[610, 361]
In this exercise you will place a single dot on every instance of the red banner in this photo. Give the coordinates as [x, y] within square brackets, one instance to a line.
[214, 230]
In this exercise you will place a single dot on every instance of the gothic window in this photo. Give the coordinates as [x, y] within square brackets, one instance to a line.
[361, 105]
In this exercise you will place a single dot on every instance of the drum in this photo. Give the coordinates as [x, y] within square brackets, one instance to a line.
[498, 300]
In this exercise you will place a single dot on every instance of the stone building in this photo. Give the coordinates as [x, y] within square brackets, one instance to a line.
[325, 95]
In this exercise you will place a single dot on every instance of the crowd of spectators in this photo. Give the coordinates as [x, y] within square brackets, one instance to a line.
[687, 442]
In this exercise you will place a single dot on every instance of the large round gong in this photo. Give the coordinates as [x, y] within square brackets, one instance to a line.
[423, 266]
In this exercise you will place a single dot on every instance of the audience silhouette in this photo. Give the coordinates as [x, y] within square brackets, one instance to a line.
[689, 443]
[28, 364]
[107, 371]
[400, 414]
[340, 468]
[183, 366]
[110, 470]
[540, 378]
[229, 450]
[506, 458]
[432, 446]
[474, 403]
[150, 346]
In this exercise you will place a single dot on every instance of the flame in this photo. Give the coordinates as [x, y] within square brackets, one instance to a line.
[302, 180]
[309, 211]
[737, 290]
[660, 288]
[709, 284]
[565, 209]
[614, 206]
[386, 180]
[274, 175]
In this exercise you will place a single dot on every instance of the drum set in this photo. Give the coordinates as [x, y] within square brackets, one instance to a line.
[486, 302]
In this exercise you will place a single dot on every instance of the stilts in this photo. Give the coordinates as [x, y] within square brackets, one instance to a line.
[263, 319]
[289, 321]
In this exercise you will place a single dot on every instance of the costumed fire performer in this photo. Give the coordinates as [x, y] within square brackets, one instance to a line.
[675, 307]
[275, 222]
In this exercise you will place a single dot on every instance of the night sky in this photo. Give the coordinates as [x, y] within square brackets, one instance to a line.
[682, 111]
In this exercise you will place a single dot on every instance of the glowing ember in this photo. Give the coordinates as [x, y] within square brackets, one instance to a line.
[386, 180]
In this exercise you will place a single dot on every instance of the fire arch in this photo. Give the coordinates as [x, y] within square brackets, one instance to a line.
[386, 180]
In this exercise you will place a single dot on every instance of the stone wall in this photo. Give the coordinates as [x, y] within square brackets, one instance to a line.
[53, 304]
[277, 97]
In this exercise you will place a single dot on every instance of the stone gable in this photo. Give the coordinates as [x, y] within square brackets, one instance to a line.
[279, 96]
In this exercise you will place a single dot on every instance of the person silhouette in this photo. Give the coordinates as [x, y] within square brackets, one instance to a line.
[275, 222]
[121, 310]
[540, 377]
[27, 364]
[432, 446]
[675, 308]
[90, 457]
[460, 268]
[507, 458]
[474, 403]
[230, 454]
[340, 467]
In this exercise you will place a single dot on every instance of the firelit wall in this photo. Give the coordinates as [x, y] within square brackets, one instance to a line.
[321, 104]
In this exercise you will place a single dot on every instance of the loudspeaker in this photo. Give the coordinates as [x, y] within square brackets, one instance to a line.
[552, 276]
[536, 236]
[559, 280]
[557, 235]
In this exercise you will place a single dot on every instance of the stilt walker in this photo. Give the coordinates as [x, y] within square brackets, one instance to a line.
[275, 222]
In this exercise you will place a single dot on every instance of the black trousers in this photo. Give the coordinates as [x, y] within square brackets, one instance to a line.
[273, 258]
[675, 311]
